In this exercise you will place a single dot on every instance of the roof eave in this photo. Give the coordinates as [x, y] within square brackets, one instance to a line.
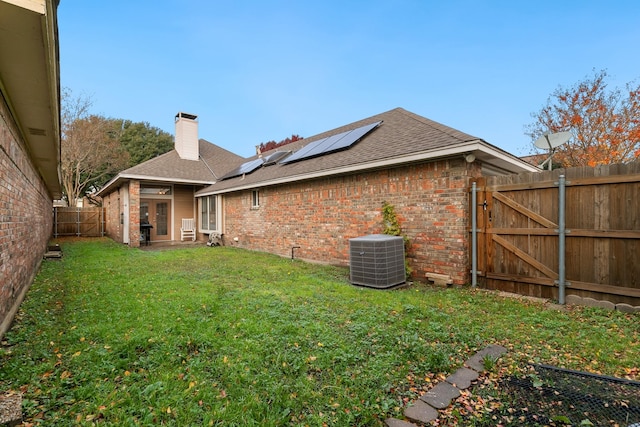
[30, 70]
[496, 160]
[120, 178]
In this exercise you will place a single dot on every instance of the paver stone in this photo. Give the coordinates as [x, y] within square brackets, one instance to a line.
[462, 378]
[421, 412]
[441, 395]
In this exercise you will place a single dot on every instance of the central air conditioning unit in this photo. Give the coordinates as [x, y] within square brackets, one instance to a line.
[377, 260]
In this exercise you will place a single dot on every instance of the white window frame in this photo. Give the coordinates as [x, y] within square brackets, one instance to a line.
[255, 199]
[218, 218]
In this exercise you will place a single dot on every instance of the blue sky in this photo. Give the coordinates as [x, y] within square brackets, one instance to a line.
[255, 71]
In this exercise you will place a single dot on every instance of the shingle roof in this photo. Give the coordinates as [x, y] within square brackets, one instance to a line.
[214, 162]
[401, 138]
[169, 167]
[401, 134]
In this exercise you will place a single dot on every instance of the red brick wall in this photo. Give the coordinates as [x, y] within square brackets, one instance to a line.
[26, 219]
[114, 204]
[113, 208]
[320, 216]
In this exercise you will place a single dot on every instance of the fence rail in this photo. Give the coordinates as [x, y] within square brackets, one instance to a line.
[519, 240]
[81, 222]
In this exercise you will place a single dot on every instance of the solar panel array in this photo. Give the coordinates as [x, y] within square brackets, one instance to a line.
[327, 145]
[330, 144]
[272, 159]
[244, 168]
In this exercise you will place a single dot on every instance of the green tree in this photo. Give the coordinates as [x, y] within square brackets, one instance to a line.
[143, 141]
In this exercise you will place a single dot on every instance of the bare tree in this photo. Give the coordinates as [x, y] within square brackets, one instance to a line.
[91, 147]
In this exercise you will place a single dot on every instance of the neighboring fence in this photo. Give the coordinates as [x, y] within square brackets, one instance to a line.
[518, 233]
[85, 222]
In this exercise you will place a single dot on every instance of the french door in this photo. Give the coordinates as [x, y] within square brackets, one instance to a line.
[158, 214]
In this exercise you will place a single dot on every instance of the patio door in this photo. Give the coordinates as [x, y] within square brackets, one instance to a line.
[158, 214]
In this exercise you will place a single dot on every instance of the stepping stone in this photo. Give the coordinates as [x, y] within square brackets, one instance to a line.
[493, 351]
[421, 412]
[53, 255]
[462, 378]
[441, 395]
[392, 422]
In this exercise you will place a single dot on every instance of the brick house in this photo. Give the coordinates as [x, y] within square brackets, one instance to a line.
[317, 193]
[161, 191]
[332, 187]
[29, 144]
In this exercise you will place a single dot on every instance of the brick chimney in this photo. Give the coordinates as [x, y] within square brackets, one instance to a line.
[186, 142]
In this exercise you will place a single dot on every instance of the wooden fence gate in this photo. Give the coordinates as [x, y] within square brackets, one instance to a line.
[518, 233]
[85, 222]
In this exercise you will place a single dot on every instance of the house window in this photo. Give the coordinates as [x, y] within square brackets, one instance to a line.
[156, 191]
[209, 214]
[255, 199]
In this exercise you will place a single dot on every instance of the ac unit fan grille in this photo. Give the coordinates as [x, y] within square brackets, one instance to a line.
[377, 260]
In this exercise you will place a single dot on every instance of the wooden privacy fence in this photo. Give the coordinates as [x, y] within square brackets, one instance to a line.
[518, 233]
[85, 222]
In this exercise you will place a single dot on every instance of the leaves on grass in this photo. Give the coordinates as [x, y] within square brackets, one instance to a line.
[304, 348]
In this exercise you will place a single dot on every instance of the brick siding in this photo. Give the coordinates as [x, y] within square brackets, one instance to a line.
[113, 226]
[320, 216]
[114, 204]
[26, 219]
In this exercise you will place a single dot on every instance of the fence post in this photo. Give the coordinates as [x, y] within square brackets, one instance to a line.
[474, 236]
[561, 239]
[78, 221]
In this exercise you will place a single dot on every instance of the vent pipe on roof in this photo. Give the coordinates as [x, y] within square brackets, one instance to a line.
[186, 140]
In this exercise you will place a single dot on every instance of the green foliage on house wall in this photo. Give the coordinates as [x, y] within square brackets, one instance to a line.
[391, 227]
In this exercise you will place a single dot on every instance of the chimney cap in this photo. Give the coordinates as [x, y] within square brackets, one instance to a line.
[186, 116]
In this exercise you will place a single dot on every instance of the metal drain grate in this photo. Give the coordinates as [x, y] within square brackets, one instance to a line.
[556, 396]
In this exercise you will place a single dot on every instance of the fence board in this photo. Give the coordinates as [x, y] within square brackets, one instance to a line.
[518, 240]
[81, 222]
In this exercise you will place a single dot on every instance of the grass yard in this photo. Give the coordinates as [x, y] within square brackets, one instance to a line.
[111, 335]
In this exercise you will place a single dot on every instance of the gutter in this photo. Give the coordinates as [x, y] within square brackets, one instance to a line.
[120, 177]
[475, 145]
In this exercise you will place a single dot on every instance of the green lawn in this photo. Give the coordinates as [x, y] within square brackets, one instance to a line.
[111, 335]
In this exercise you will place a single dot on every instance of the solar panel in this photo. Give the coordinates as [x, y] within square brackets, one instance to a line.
[244, 168]
[273, 158]
[327, 142]
[352, 137]
[333, 143]
[302, 153]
